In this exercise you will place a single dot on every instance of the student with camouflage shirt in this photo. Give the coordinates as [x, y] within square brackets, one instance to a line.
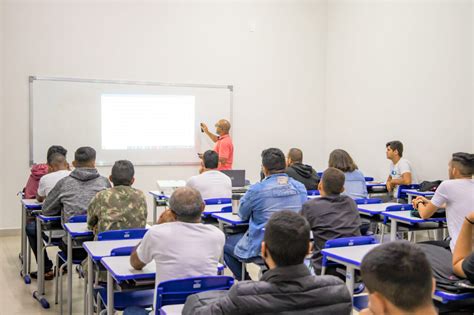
[120, 207]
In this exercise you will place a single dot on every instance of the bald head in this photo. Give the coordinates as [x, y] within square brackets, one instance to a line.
[187, 204]
[223, 127]
[295, 155]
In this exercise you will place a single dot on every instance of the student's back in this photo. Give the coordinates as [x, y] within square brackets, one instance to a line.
[355, 185]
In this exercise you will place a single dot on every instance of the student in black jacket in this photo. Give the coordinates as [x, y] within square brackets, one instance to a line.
[303, 173]
[287, 288]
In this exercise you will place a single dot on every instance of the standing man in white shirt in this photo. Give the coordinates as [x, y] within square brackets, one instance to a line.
[181, 246]
[58, 168]
[211, 183]
[455, 194]
[401, 171]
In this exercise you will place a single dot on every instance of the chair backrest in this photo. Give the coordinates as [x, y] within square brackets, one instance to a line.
[366, 201]
[122, 251]
[350, 241]
[121, 234]
[313, 193]
[218, 201]
[402, 195]
[400, 207]
[176, 291]
[78, 218]
[227, 209]
[369, 179]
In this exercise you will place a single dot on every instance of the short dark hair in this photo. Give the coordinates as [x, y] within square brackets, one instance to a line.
[55, 149]
[84, 155]
[333, 181]
[187, 204]
[57, 159]
[400, 272]
[341, 160]
[210, 159]
[122, 173]
[296, 155]
[287, 238]
[464, 163]
[396, 145]
[273, 160]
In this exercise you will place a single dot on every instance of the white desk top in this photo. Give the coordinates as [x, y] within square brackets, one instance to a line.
[216, 208]
[99, 249]
[176, 309]
[77, 228]
[377, 207]
[121, 269]
[350, 254]
[405, 216]
[31, 203]
[314, 196]
[229, 217]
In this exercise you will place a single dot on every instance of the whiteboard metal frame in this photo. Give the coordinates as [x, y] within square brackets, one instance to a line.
[32, 78]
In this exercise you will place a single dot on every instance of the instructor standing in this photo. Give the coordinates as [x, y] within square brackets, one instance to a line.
[224, 146]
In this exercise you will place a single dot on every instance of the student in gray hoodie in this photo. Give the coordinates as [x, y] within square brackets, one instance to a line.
[71, 196]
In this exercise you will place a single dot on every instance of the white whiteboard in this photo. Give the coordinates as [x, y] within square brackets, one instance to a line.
[68, 112]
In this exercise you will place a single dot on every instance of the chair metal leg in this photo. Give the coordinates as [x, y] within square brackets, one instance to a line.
[61, 270]
[243, 271]
[56, 280]
[382, 232]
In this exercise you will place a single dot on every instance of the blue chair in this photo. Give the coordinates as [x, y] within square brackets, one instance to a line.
[176, 291]
[122, 251]
[367, 201]
[218, 201]
[78, 219]
[369, 179]
[313, 193]
[446, 297]
[121, 234]
[402, 195]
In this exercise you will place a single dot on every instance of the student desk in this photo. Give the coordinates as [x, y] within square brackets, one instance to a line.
[96, 250]
[158, 200]
[45, 222]
[228, 218]
[406, 218]
[375, 209]
[74, 231]
[349, 256]
[172, 309]
[415, 192]
[27, 206]
[120, 270]
[210, 209]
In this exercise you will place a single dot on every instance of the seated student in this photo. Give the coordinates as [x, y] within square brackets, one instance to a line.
[211, 183]
[399, 280]
[39, 170]
[331, 216]
[457, 194]
[463, 255]
[275, 193]
[354, 184]
[182, 246]
[58, 168]
[401, 171]
[303, 173]
[288, 287]
[120, 207]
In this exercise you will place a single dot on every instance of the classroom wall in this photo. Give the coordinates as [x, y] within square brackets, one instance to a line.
[1, 106]
[400, 70]
[278, 69]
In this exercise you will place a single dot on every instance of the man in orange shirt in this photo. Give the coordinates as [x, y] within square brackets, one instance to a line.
[224, 146]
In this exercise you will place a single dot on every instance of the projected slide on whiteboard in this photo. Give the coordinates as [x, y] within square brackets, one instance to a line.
[147, 122]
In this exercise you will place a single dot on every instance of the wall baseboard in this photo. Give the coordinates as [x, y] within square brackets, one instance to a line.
[9, 232]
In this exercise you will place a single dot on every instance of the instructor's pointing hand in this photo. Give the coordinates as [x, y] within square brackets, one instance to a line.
[204, 127]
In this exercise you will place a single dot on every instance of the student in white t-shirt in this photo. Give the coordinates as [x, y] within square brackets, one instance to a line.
[455, 194]
[211, 183]
[180, 244]
[401, 171]
[58, 168]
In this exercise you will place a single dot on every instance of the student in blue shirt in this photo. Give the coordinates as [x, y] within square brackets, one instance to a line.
[354, 185]
[275, 193]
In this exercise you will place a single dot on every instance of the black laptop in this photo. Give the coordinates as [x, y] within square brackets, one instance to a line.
[237, 177]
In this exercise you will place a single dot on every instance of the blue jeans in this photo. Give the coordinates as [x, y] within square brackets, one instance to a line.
[232, 261]
[135, 310]
[32, 238]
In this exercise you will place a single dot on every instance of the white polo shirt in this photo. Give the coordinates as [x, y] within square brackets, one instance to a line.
[211, 184]
[182, 250]
[458, 195]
